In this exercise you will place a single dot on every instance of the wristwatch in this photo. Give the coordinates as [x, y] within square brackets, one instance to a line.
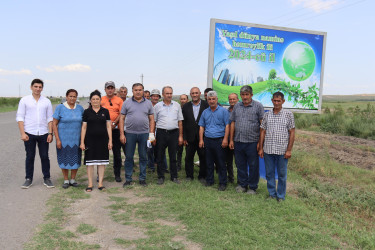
[50, 134]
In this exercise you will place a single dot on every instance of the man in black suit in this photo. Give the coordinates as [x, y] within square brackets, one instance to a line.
[192, 112]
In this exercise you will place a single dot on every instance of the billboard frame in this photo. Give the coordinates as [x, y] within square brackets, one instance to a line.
[211, 51]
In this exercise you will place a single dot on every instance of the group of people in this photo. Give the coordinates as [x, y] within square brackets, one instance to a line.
[244, 132]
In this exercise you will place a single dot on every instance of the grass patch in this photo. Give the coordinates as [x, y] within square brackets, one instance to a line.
[86, 229]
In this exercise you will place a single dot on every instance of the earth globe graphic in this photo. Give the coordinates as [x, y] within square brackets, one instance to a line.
[299, 61]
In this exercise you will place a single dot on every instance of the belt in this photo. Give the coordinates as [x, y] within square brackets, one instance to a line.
[166, 130]
[216, 139]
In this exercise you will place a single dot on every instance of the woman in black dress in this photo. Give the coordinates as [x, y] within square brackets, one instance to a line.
[96, 139]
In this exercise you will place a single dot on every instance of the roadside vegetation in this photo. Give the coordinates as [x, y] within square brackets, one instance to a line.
[8, 104]
[329, 204]
[341, 118]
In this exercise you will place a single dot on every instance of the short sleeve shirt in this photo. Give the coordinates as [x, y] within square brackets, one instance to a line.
[214, 122]
[277, 128]
[137, 115]
[247, 121]
[114, 109]
[167, 116]
[96, 122]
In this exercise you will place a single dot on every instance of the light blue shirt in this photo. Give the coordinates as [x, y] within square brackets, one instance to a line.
[196, 109]
[167, 116]
[214, 122]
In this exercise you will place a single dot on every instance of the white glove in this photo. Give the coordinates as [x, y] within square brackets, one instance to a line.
[151, 137]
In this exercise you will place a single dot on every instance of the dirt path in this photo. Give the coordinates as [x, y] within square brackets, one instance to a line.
[95, 211]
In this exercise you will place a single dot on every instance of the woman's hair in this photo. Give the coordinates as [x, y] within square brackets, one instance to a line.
[71, 90]
[95, 92]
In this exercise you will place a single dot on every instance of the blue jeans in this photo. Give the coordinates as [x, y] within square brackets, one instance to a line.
[247, 162]
[215, 154]
[131, 141]
[43, 146]
[280, 163]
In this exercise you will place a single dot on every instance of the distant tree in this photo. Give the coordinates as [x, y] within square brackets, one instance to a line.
[272, 74]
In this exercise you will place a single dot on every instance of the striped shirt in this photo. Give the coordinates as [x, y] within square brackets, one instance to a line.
[277, 128]
[247, 121]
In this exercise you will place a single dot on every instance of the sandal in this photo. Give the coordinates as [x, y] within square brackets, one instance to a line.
[88, 189]
[101, 188]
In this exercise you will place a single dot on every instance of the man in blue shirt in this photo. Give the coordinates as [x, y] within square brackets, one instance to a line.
[214, 125]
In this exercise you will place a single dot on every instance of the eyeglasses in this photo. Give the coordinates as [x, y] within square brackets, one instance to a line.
[110, 103]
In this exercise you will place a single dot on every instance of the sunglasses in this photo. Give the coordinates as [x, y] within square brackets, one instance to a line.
[110, 103]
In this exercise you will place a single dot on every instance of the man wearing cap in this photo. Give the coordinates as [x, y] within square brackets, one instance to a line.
[168, 118]
[113, 104]
[151, 149]
[139, 126]
[192, 112]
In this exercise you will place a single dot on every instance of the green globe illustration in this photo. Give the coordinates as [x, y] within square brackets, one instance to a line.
[299, 61]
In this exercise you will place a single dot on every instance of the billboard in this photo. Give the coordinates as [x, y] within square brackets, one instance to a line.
[269, 59]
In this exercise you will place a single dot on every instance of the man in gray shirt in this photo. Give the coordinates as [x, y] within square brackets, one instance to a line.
[140, 127]
[246, 118]
[168, 118]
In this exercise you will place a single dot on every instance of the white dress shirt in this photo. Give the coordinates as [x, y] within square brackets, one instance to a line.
[35, 114]
[167, 116]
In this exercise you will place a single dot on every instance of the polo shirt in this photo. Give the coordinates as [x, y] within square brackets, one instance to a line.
[167, 116]
[277, 128]
[214, 122]
[247, 121]
[114, 109]
[137, 115]
[35, 115]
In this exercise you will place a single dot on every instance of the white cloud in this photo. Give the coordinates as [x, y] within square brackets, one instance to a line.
[15, 72]
[316, 5]
[71, 67]
[224, 41]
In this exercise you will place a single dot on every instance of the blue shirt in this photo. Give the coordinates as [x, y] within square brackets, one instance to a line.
[214, 122]
[196, 109]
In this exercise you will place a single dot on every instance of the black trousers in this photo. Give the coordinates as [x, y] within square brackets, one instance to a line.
[167, 139]
[229, 163]
[191, 148]
[116, 149]
[180, 149]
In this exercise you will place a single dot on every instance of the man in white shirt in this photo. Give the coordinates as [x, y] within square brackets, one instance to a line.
[34, 117]
[168, 118]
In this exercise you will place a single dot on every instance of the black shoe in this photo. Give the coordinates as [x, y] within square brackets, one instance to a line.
[167, 171]
[280, 200]
[160, 181]
[143, 183]
[203, 181]
[27, 184]
[65, 185]
[208, 184]
[127, 183]
[118, 179]
[175, 180]
[230, 180]
[74, 184]
[48, 183]
[222, 187]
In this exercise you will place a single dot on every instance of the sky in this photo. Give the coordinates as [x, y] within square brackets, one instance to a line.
[83, 44]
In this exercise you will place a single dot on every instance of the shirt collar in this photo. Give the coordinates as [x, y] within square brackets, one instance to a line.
[166, 104]
[68, 107]
[281, 111]
[250, 105]
[217, 107]
[200, 101]
[134, 100]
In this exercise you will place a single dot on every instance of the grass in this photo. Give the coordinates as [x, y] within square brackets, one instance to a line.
[328, 205]
[8, 104]
[86, 229]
